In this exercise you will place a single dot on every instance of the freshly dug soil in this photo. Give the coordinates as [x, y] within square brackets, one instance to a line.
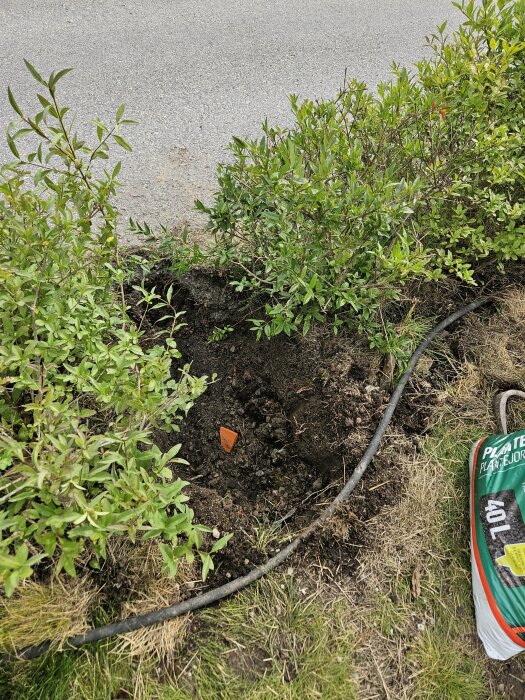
[305, 410]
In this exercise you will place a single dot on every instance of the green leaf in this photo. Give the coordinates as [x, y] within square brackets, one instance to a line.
[10, 583]
[12, 147]
[221, 543]
[121, 142]
[207, 565]
[55, 77]
[21, 554]
[13, 102]
[102, 127]
[21, 132]
[66, 561]
[43, 101]
[120, 112]
[168, 556]
[200, 206]
[239, 142]
[36, 75]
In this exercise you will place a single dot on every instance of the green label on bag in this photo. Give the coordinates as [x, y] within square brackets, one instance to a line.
[498, 503]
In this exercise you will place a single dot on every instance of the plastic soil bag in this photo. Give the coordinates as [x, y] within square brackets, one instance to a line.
[497, 508]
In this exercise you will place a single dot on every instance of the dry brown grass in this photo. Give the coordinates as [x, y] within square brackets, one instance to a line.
[158, 640]
[153, 590]
[39, 611]
[389, 579]
[496, 344]
[61, 608]
[137, 565]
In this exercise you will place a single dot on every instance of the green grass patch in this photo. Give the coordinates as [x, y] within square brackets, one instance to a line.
[271, 641]
[274, 642]
[92, 673]
[443, 671]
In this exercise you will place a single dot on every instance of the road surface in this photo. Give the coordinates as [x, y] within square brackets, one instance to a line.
[194, 72]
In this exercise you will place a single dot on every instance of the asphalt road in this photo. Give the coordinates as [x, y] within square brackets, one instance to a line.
[195, 72]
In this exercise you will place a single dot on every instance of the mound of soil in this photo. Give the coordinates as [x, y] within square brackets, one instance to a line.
[305, 410]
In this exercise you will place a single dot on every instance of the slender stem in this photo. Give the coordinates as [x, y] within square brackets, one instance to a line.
[12, 493]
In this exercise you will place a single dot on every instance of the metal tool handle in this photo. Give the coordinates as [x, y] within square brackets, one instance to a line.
[500, 407]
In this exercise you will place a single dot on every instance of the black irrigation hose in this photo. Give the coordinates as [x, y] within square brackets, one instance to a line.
[138, 621]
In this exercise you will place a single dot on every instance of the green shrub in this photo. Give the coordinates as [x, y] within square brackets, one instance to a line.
[78, 395]
[331, 217]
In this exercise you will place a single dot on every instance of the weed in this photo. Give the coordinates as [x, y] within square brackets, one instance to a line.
[219, 334]
[174, 246]
[266, 536]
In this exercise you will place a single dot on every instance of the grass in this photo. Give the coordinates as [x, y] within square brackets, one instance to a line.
[91, 673]
[446, 659]
[417, 584]
[443, 672]
[272, 641]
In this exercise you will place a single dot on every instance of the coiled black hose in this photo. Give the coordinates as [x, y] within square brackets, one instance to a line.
[138, 621]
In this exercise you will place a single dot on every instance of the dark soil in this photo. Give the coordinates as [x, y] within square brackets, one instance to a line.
[305, 410]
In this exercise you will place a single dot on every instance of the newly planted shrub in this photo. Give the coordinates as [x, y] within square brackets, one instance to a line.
[78, 395]
[331, 217]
